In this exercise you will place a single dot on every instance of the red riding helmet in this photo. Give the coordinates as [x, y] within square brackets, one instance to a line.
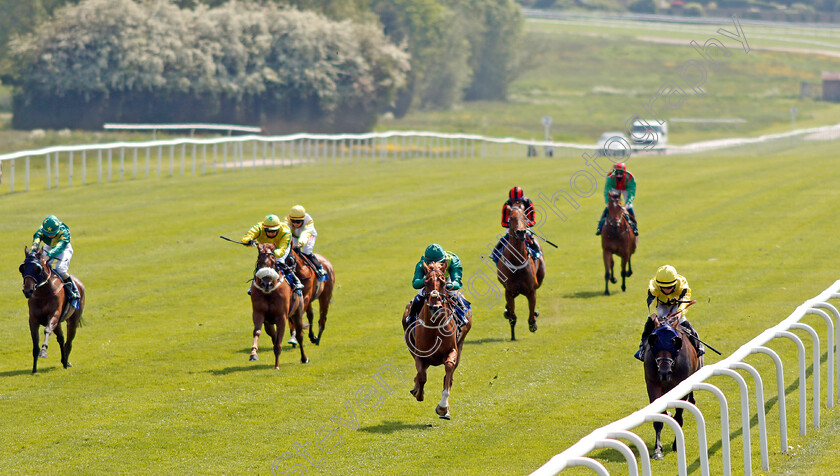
[516, 193]
[620, 166]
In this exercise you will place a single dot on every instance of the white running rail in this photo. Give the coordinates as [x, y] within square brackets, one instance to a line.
[576, 455]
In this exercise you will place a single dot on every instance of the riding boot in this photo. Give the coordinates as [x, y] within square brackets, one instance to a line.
[416, 307]
[632, 219]
[289, 273]
[601, 222]
[640, 354]
[693, 337]
[71, 291]
[497, 251]
[319, 268]
[536, 252]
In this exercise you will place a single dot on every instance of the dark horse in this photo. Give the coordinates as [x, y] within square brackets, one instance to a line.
[518, 272]
[273, 301]
[617, 238]
[44, 289]
[435, 338]
[669, 359]
[314, 290]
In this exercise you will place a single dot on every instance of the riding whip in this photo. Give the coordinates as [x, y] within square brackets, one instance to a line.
[542, 238]
[233, 241]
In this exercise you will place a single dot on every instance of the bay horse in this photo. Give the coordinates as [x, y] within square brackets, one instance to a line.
[517, 271]
[617, 238]
[313, 290]
[272, 302]
[669, 359]
[44, 290]
[434, 338]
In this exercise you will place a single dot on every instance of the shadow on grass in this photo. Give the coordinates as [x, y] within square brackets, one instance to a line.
[257, 365]
[485, 340]
[584, 295]
[387, 427]
[13, 373]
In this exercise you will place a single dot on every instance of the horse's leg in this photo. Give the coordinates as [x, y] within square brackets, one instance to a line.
[33, 330]
[623, 272]
[657, 448]
[419, 379]
[59, 337]
[323, 308]
[309, 317]
[678, 415]
[510, 312]
[630, 265]
[540, 271]
[258, 319]
[532, 317]
[607, 270]
[298, 320]
[72, 324]
[442, 408]
[50, 327]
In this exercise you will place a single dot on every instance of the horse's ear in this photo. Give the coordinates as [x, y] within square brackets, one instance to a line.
[443, 268]
[425, 267]
[678, 342]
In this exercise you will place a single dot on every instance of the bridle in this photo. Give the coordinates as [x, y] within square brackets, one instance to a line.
[614, 224]
[270, 261]
[442, 304]
[33, 261]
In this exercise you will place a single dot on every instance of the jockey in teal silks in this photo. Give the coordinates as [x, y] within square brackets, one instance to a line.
[624, 183]
[435, 254]
[53, 236]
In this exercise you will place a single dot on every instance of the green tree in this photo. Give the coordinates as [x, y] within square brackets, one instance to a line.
[642, 6]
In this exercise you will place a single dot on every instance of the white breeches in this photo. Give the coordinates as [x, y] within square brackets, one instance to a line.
[309, 247]
[663, 310]
[61, 263]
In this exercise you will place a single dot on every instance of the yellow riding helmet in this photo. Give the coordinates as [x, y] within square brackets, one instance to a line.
[297, 213]
[271, 223]
[666, 276]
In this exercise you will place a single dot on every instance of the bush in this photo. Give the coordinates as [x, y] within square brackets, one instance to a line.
[642, 6]
[693, 9]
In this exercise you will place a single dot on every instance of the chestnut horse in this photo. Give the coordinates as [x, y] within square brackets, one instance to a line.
[669, 359]
[314, 290]
[434, 338]
[44, 289]
[617, 238]
[517, 271]
[272, 302]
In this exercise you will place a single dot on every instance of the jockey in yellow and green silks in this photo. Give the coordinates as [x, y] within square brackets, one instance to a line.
[272, 230]
[623, 182]
[435, 254]
[670, 293]
[303, 237]
[53, 236]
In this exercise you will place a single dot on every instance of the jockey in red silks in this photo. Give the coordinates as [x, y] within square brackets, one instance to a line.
[624, 183]
[517, 195]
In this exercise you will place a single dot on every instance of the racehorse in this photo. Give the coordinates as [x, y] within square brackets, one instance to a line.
[314, 290]
[44, 289]
[617, 238]
[517, 271]
[434, 338]
[272, 302]
[669, 359]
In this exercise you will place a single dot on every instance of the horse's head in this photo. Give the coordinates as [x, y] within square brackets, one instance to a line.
[435, 285]
[517, 222]
[664, 344]
[35, 271]
[265, 256]
[265, 274]
[615, 211]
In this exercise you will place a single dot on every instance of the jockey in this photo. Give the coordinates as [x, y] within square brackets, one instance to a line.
[517, 195]
[54, 237]
[303, 237]
[671, 293]
[624, 183]
[272, 230]
[435, 254]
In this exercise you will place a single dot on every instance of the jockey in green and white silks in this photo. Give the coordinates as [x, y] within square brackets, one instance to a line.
[272, 230]
[623, 182]
[303, 231]
[53, 236]
[435, 254]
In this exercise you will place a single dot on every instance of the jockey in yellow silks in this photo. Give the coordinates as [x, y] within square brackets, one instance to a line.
[304, 236]
[272, 230]
[671, 294]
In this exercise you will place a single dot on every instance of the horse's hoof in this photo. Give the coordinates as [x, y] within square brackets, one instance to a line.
[413, 391]
[443, 413]
[536, 313]
[253, 357]
[532, 327]
[68, 365]
[607, 292]
[304, 361]
[42, 354]
[623, 288]
[657, 455]
[276, 367]
[613, 280]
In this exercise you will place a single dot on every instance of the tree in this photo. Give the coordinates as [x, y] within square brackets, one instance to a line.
[642, 6]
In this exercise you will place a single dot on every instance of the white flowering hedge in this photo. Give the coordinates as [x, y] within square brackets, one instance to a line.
[149, 61]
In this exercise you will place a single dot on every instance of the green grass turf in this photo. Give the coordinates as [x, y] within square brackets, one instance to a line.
[593, 80]
[161, 381]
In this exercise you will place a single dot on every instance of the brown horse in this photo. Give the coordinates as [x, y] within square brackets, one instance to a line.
[518, 272]
[272, 302]
[44, 289]
[435, 338]
[314, 290]
[617, 238]
[669, 359]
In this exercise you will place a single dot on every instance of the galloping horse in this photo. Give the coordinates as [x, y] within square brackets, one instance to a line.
[518, 272]
[435, 338]
[314, 290]
[669, 359]
[617, 238]
[44, 289]
[273, 301]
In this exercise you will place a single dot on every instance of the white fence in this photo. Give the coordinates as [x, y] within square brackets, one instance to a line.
[608, 436]
[83, 164]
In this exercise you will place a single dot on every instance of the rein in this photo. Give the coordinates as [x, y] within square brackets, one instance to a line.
[48, 273]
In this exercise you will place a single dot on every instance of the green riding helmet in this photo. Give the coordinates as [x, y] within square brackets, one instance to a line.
[51, 225]
[434, 253]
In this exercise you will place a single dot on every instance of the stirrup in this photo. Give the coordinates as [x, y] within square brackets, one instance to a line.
[598, 232]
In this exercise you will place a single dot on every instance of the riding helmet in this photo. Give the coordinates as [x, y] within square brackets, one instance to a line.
[666, 276]
[434, 253]
[271, 223]
[297, 213]
[50, 225]
[516, 193]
